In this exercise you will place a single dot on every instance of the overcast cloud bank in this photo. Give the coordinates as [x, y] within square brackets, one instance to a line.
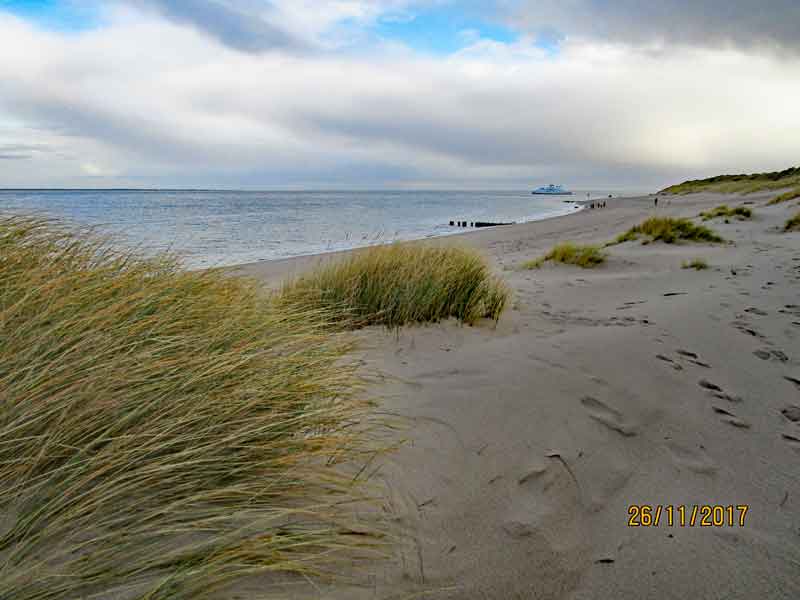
[204, 93]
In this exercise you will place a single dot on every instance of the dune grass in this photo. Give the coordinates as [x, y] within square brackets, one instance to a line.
[743, 183]
[698, 264]
[785, 197]
[668, 230]
[723, 210]
[568, 253]
[793, 224]
[397, 284]
[165, 433]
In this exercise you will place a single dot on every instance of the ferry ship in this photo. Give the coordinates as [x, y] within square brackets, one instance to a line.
[552, 190]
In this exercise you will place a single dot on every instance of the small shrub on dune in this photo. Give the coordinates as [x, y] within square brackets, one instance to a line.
[396, 284]
[740, 212]
[793, 224]
[586, 257]
[165, 432]
[669, 230]
[786, 197]
[698, 264]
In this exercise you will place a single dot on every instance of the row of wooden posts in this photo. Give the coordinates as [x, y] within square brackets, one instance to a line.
[476, 224]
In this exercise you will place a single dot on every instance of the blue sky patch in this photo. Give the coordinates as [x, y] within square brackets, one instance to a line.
[441, 30]
[59, 15]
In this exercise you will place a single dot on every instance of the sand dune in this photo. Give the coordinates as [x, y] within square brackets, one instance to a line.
[637, 382]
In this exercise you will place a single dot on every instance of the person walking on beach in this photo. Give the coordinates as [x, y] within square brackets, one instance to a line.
[656, 202]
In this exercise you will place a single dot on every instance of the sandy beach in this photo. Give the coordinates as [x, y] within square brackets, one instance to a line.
[634, 383]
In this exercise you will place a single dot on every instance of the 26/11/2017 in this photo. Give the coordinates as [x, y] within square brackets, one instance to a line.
[683, 515]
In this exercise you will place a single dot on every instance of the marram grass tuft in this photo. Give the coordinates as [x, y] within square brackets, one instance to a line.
[785, 197]
[165, 433]
[668, 230]
[397, 284]
[586, 257]
[740, 212]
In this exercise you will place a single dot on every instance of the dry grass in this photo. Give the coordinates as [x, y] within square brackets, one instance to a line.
[668, 230]
[785, 197]
[698, 264]
[740, 212]
[586, 257]
[793, 224]
[744, 184]
[396, 284]
[165, 433]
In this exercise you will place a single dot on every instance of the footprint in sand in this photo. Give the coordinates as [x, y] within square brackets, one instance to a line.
[792, 413]
[792, 438]
[730, 418]
[728, 397]
[605, 415]
[693, 358]
[546, 490]
[671, 362]
[756, 311]
[697, 460]
[744, 327]
[766, 354]
[717, 391]
[706, 384]
[793, 380]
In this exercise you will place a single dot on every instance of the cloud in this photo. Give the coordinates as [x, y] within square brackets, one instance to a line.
[707, 23]
[148, 100]
[288, 25]
[241, 24]
[21, 151]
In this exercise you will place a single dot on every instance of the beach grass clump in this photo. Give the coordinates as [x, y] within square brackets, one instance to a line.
[669, 230]
[793, 224]
[584, 256]
[698, 264]
[740, 212]
[785, 197]
[398, 284]
[742, 183]
[165, 432]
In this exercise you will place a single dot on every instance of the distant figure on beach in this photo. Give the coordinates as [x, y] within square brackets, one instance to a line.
[656, 202]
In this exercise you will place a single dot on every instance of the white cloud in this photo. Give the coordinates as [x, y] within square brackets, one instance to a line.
[150, 100]
[296, 25]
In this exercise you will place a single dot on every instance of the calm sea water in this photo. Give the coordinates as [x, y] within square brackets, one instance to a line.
[215, 228]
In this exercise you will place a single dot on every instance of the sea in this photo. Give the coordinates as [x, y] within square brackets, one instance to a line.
[220, 228]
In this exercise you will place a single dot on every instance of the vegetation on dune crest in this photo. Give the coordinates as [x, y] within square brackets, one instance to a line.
[396, 284]
[668, 230]
[698, 264]
[586, 257]
[740, 212]
[793, 224]
[166, 432]
[785, 197]
[745, 184]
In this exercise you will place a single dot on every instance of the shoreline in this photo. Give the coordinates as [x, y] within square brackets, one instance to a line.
[639, 382]
[431, 238]
[267, 268]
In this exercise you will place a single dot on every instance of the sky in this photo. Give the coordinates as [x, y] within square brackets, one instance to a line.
[435, 94]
